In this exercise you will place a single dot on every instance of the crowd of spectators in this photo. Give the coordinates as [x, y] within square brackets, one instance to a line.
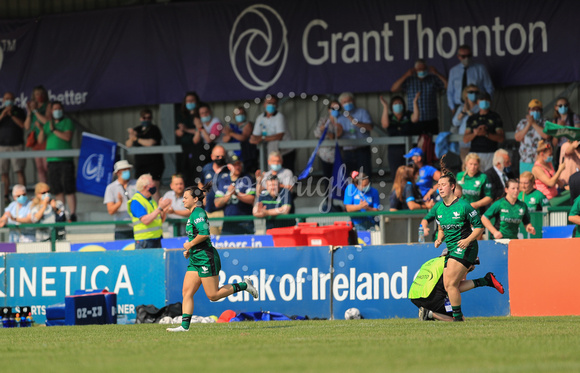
[548, 166]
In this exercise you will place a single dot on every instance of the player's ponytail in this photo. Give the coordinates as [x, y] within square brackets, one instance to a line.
[446, 173]
[199, 192]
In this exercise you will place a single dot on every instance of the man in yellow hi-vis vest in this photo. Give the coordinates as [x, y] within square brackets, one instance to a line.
[428, 292]
[147, 215]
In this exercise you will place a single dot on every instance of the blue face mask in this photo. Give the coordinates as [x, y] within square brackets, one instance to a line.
[275, 167]
[549, 159]
[335, 113]
[366, 189]
[398, 108]
[126, 175]
[270, 108]
[349, 106]
[206, 119]
[57, 114]
[563, 109]
[45, 196]
[536, 115]
[240, 118]
[472, 97]
[422, 74]
[22, 200]
[7, 103]
[145, 123]
[190, 105]
[484, 104]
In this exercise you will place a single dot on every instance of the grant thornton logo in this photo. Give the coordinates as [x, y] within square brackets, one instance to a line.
[258, 47]
[93, 168]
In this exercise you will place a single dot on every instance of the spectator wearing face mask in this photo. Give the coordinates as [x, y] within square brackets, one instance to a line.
[270, 127]
[147, 134]
[399, 123]
[275, 164]
[11, 140]
[187, 162]
[424, 83]
[146, 214]
[214, 171]
[465, 73]
[117, 194]
[485, 131]
[529, 132]
[17, 212]
[240, 130]
[209, 128]
[58, 133]
[564, 116]
[360, 196]
[547, 179]
[44, 209]
[459, 121]
[356, 125]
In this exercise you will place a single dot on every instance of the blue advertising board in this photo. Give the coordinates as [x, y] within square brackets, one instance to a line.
[177, 242]
[292, 281]
[376, 280]
[40, 280]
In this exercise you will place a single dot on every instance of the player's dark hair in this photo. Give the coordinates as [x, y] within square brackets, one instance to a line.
[199, 192]
[512, 181]
[446, 173]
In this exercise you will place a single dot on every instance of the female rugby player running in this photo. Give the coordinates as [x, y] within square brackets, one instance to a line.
[508, 212]
[204, 261]
[455, 217]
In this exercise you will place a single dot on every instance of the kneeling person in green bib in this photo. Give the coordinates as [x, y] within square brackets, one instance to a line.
[147, 215]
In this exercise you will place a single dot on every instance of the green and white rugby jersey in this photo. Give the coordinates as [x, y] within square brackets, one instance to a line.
[456, 221]
[474, 188]
[576, 211]
[510, 216]
[196, 225]
[535, 201]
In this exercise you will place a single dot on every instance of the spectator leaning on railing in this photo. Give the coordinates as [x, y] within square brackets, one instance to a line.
[117, 194]
[45, 210]
[58, 132]
[16, 213]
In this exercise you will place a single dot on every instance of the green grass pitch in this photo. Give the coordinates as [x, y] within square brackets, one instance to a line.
[499, 344]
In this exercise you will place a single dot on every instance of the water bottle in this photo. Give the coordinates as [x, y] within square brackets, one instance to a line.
[264, 130]
[421, 234]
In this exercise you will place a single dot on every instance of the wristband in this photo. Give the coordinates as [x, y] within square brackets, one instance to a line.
[160, 209]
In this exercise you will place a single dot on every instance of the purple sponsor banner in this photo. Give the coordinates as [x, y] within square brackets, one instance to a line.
[241, 50]
[7, 247]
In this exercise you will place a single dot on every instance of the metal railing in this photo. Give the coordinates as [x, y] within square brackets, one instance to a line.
[538, 220]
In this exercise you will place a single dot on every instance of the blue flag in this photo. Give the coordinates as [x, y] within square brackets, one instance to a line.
[95, 169]
[308, 168]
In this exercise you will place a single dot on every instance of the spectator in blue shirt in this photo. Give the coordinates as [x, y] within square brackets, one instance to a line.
[274, 201]
[360, 197]
[236, 194]
[428, 175]
[465, 73]
[426, 81]
[356, 124]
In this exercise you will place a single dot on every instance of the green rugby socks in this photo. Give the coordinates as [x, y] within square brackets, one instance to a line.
[240, 286]
[481, 282]
[457, 314]
[185, 321]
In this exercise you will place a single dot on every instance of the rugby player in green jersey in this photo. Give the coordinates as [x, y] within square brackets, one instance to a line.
[455, 218]
[476, 186]
[574, 217]
[533, 198]
[508, 213]
[204, 261]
